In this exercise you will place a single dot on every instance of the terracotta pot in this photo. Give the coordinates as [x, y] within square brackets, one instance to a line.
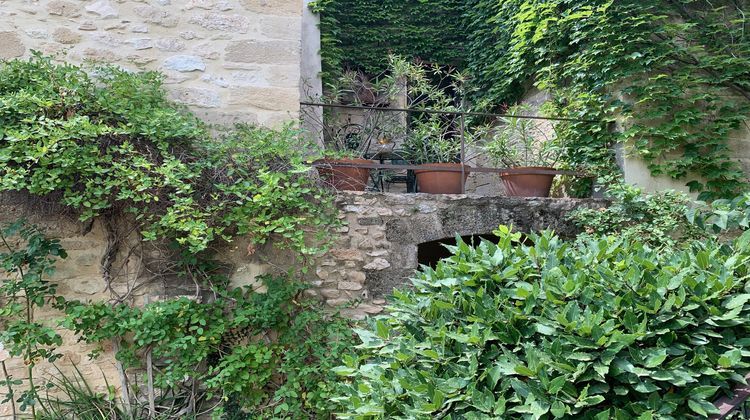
[344, 178]
[435, 181]
[527, 185]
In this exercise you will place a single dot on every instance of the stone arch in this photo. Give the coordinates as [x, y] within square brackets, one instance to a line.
[385, 230]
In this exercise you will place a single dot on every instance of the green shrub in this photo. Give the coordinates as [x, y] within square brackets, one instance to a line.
[658, 219]
[600, 329]
[269, 354]
[723, 215]
[110, 142]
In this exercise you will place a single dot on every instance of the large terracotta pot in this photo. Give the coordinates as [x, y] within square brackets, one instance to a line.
[528, 184]
[435, 181]
[344, 178]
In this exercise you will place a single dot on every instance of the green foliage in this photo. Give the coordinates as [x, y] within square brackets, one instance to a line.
[279, 367]
[674, 74]
[723, 215]
[71, 396]
[26, 262]
[522, 142]
[601, 329]
[360, 35]
[658, 219]
[113, 144]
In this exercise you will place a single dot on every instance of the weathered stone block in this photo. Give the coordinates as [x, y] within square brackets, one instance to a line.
[10, 45]
[378, 264]
[347, 254]
[170, 44]
[151, 14]
[198, 97]
[370, 221]
[272, 99]
[65, 36]
[185, 63]
[286, 28]
[221, 22]
[274, 7]
[263, 52]
[63, 8]
[103, 8]
[349, 285]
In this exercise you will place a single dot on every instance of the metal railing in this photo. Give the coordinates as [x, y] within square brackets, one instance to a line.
[374, 127]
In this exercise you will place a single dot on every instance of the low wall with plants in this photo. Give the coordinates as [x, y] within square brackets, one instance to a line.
[376, 250]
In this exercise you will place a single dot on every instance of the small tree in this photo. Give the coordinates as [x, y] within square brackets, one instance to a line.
[26, 262]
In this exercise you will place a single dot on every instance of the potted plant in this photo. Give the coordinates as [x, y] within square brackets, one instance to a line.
[345, 149]
[527, 146]
[432, 143]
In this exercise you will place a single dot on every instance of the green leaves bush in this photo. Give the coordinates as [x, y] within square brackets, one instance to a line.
[658, 219]
[110, 142]
[601, 329]
[269, 354]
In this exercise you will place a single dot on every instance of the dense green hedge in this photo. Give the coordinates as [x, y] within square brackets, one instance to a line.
[599, 329]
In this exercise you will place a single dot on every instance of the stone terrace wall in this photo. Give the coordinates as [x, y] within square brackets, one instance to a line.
[229, 60]
[377, 249]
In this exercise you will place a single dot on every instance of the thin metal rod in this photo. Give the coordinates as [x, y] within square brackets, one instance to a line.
[434, 111]
[463, 156]
[458, 168]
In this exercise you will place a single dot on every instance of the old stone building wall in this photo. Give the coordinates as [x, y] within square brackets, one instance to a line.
[228, 60]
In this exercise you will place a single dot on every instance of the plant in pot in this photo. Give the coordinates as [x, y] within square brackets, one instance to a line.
[527, 146]
[345, 148]
[433, 143]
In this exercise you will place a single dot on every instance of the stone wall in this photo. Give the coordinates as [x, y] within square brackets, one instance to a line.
[377, 248]
[229, 60]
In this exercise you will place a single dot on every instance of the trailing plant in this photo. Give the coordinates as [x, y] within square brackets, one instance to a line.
[109, 144]
[672, 74]
[115, 145]
[658, 219]
[359, 35]
[600, 329]
[26, 262]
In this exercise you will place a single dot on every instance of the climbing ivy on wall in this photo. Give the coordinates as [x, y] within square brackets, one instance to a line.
[360, 34]
[674, 75]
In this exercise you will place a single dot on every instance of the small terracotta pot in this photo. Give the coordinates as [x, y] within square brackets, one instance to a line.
[435, 181]
[527, 185]
[344, 178]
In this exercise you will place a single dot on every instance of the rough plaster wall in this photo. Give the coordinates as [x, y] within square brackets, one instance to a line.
[229, 60]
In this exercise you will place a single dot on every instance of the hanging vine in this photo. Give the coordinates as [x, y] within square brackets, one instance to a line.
[675, 75]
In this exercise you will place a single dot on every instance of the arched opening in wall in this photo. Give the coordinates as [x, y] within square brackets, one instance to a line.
[429, 253]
